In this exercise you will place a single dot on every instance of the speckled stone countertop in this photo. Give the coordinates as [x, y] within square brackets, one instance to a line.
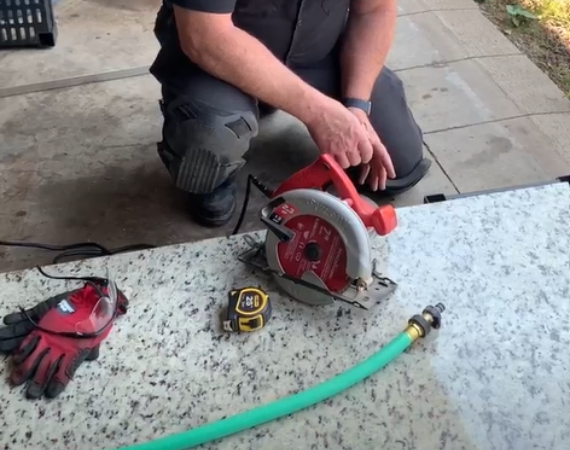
[495, 376]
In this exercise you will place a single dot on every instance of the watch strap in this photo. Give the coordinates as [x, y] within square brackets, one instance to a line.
[364, 105]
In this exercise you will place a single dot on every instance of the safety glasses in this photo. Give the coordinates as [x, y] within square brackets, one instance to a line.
[86, 312]
[103, 312]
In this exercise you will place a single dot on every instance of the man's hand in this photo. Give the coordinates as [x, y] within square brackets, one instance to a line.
[340, 133]
[380, 166]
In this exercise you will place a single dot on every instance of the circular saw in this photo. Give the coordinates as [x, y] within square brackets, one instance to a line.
[317, 244]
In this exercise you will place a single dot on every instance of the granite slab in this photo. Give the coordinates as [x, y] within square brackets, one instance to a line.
[494, 377]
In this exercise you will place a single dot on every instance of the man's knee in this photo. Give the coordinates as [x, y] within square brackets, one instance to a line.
[395, 124]
[202, 144]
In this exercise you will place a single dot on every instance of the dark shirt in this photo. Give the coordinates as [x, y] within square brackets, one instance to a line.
[211, 6]
[300, 33]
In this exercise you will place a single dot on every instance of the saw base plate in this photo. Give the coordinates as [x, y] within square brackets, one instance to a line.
[380, 288]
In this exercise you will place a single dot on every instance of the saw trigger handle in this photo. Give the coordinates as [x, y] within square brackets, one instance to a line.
[326, 171]
[314, 176]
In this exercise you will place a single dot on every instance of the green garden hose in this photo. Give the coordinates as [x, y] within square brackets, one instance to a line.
[418, 326]
[281, 407]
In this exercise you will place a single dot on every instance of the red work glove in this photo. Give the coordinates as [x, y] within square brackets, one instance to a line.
[19, 324]
[65, 337]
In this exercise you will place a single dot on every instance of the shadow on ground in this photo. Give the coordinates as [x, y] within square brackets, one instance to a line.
[80, 164]
[119, 195]
[128, 5]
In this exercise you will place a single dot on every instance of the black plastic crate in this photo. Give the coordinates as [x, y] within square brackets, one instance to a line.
[27, 23]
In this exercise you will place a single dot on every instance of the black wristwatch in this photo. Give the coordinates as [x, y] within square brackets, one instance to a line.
[364, 105]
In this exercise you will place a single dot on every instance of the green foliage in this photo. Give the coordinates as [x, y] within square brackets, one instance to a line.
[518, 15]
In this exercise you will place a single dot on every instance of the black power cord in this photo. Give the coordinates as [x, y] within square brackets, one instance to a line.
[251, 180]
[81, 250]
[93, 249]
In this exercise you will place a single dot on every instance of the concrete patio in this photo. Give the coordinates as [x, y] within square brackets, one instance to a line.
[79, 163]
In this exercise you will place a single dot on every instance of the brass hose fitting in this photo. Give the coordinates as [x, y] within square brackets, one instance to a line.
[420, 325]
[414, 331]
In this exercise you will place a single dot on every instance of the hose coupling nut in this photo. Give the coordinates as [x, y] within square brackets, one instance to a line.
[433, 315]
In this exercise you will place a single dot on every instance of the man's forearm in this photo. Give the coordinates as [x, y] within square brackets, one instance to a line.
[239, 59]
[366, 44]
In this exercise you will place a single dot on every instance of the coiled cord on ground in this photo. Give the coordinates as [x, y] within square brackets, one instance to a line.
[80, 250]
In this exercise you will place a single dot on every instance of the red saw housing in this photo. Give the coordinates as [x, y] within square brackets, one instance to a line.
[324, 172]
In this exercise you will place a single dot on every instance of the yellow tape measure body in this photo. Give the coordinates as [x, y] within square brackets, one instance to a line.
[249, 309]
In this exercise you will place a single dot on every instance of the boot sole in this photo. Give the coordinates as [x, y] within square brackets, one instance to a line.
[215, 222]
[398, 187]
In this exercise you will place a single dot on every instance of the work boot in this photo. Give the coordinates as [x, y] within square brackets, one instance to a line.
[216, 208]
[404, 184]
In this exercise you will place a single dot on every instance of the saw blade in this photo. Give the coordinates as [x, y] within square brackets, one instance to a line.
[256, 258]
[316, 237]
[316, 247]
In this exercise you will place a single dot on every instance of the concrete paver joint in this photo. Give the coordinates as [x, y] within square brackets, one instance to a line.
[444, 63]
[428, 11]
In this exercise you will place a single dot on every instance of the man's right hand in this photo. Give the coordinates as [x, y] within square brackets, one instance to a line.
[338, 132]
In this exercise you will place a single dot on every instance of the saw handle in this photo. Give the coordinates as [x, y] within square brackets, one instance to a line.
[325, 171]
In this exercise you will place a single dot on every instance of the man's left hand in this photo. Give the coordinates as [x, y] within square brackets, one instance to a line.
[380, 168]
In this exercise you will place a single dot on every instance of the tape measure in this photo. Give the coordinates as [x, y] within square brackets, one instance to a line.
[249, 309]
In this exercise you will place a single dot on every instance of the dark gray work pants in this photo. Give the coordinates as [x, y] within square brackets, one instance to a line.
[208, 124]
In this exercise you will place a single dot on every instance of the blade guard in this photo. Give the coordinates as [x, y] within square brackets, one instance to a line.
[325, 171]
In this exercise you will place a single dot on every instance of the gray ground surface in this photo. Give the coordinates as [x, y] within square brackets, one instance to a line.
[79, 163]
